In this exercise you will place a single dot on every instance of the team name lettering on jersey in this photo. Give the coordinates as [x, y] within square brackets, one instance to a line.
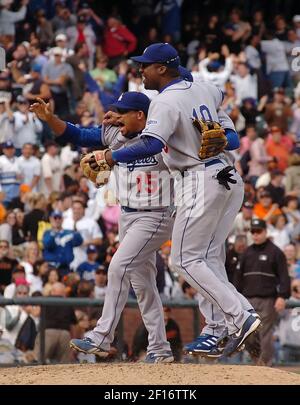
[146, 162]
[151, 122]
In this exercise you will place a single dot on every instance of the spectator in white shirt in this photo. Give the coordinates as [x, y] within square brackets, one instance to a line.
[61, 42]
[100, 282]
[9, 18]
[296, 25]
[211, 69]
[245, 84]
[88, 229]
[242, 222]
[30, 167]
[10, 289]
[278, 231]
[26, 125]
[51, 169]
[6, 120]
[252, 54]
[276, 60]
[10, 174]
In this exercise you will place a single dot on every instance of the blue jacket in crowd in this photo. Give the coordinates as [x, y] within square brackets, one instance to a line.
[58, 246]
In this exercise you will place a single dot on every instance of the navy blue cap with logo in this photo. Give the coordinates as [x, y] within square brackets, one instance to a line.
[91, 249]
[132, 100]
[7, 145]
[56, 214]
[159, 53]
[166, 54]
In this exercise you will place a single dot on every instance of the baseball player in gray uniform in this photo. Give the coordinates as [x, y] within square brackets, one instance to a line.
[206, 204]
[145, 193]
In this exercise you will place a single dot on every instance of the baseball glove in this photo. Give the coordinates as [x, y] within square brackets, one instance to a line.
[95, 167]
[214, 140]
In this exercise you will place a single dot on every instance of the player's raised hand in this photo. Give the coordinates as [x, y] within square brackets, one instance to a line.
[41, 109]
[111, 118]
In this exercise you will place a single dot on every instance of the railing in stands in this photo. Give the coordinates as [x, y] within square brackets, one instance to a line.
[84, 302]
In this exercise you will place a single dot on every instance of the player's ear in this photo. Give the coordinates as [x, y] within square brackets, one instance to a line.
[162, 69]
[140, 115]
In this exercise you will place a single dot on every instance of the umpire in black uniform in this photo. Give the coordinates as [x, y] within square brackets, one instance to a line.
[263, 278]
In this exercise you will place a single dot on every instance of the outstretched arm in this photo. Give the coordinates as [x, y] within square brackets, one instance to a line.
[44, 113]
[65, 131]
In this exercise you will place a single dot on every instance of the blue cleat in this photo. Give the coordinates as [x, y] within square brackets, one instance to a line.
[159, 358]
[236, 340]
[87, 346]
[253, 313]
[204, 345]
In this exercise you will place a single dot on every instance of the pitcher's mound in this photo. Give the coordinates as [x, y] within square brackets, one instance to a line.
[145, 374]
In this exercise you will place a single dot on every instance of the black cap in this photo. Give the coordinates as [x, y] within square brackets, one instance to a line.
[257, 223]
[81, 19]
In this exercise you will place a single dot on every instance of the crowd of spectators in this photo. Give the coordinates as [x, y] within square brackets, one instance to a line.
[57, 232]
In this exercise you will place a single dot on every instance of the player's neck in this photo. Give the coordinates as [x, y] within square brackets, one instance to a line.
[168, 81]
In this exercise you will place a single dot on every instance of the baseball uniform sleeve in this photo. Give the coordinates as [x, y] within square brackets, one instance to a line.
[81, 136]
[162, 121]
[112, 137]
[225, 120]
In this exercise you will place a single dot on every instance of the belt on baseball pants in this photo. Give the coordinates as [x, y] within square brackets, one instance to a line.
[206, 164]
[129, 209]
[212, 162]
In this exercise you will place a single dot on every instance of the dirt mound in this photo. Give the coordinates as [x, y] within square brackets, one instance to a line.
[144, 374]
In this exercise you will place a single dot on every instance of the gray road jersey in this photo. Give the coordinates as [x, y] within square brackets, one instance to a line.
[145, 183]
[170, 120]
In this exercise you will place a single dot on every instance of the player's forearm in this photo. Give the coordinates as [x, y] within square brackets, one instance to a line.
[57, 125]
[146, 147]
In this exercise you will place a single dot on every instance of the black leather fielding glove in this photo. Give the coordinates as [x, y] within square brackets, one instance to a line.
[224, 177]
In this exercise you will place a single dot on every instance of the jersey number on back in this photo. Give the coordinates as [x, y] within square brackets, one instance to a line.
[204, 112]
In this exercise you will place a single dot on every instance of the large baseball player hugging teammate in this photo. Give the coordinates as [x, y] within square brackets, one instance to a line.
[145, 224]
[205, 208]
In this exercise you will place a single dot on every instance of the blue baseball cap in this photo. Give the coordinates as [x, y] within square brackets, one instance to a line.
[7, 145]
[36, 67]
[185, 74]
[132, 100]
[214, 65]
[159, 53]
[91, 249]
[56, 213]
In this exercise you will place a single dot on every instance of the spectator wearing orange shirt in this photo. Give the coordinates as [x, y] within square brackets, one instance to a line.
[279, 146]
[265, 208]
[2, 208]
